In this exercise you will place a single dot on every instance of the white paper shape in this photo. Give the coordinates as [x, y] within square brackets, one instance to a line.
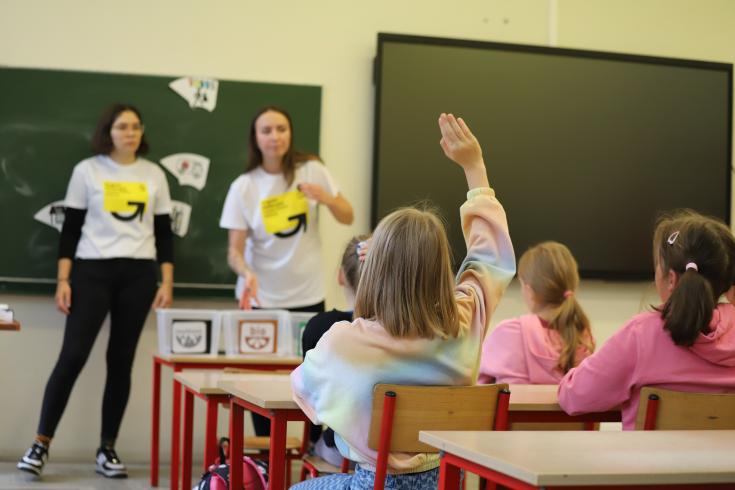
[189, 337]
[258, 337]
[188, 168]
[198, 92]
[180, 216]
[51, 214]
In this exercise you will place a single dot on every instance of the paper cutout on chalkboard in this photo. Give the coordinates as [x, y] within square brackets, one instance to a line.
[188, 168]
[180, 216]
[284, 212]
[51, 214]
[198, 92]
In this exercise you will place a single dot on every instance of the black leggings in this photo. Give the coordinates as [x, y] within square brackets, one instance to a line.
[125, 288]
[261, 424]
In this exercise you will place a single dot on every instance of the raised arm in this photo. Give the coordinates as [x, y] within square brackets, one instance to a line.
[461, 146]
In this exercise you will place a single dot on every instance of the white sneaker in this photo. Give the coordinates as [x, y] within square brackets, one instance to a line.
[109, 465]
[34, 459]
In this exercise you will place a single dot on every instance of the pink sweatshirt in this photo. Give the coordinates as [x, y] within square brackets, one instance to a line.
[523, 351]
[643, 354]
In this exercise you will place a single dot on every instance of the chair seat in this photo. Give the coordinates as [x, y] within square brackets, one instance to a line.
[262, 443]
[321, 466]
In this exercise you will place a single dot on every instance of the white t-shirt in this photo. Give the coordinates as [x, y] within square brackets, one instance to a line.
[121, 201]
[288, 268]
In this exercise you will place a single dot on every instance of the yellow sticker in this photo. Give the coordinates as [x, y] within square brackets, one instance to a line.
[285, 212]
[125, 197]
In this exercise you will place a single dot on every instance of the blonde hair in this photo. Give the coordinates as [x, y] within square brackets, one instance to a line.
[407, 283]
[551, 272]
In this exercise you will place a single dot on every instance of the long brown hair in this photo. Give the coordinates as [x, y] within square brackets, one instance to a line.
[551, 271]
[407, 283]
[292, 159]
[701, 251]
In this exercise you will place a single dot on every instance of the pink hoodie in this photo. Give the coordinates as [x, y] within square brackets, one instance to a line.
[523, 351]
[643, 354]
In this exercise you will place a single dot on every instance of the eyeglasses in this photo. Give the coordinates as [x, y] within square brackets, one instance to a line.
[138, 128]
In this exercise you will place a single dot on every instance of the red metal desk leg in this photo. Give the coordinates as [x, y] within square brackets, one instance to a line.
[175, 432]
[448, 475]
[155, 420]
[277, 457]
[236, 432]
[188, 434]
[210, 432]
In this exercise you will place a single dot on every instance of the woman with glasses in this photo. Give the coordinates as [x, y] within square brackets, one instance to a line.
[116, 228]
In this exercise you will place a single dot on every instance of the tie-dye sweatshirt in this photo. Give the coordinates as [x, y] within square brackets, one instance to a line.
[334, 385]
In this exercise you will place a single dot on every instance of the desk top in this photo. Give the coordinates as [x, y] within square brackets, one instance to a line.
[254, 359]
[13, 326]
[263, 390]
[597, 458]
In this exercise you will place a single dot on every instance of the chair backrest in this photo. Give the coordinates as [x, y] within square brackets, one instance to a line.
[661, 409]
[432, 408]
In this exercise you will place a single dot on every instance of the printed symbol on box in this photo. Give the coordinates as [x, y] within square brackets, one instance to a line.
[189, 337]
[188, 168]
[52, 214]
[125, 200]
[180, 217]
[198, 92]
[285, 214]
[258, 336]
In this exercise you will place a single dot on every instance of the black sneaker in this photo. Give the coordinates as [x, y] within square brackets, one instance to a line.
[34, 459]
[109, 465]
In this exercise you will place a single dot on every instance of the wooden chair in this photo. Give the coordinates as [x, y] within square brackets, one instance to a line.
[400, 412]
[660, 409]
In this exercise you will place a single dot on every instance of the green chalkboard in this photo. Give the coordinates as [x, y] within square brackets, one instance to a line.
[46, 123]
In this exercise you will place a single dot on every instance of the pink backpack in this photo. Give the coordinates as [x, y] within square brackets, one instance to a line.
[254, 472]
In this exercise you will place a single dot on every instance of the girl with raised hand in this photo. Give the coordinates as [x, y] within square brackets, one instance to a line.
[414, 322]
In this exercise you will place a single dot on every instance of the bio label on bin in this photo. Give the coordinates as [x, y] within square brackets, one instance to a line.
[258, 336]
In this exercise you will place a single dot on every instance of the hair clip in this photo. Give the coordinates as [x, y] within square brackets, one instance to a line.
[672, 238]
[359, 251]
[568, 294]
[691, 265]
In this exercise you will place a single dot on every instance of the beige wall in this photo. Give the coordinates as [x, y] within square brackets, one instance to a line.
[329, 43]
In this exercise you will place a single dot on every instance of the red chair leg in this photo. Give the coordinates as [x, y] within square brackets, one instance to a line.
[651, 413]
[386, 429]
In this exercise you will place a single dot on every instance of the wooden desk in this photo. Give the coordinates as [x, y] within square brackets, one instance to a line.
[269, 395]
[539, 403]
[526, 460]
[12, 326]
[179, 363]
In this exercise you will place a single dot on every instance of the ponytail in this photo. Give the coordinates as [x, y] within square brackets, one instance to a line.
[701, 252]
[688, 310]
[573, 326]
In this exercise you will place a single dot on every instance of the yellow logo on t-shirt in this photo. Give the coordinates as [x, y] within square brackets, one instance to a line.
[284, 212]
[125, 197]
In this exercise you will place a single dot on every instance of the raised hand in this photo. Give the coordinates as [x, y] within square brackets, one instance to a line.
[461, 146]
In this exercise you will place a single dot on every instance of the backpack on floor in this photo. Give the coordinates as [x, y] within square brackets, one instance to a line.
[254, 472]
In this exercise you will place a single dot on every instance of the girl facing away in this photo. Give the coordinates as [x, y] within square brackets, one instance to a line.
[540, 347]
[348, 277]
[685, 344]
[414, 323]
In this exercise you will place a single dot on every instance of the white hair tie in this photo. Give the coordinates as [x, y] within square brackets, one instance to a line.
[691, 265]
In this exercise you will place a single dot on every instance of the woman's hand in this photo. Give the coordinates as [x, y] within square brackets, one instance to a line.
[164, 295]
[461, 146]
[249, 292]
[63, 296]
[316, 192]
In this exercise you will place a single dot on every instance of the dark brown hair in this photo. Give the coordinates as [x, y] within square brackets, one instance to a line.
[102, 141]
[351, 266]
[550, 270]
[291, 159]
[688, 237]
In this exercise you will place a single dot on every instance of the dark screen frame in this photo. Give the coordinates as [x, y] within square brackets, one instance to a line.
[384, 38]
